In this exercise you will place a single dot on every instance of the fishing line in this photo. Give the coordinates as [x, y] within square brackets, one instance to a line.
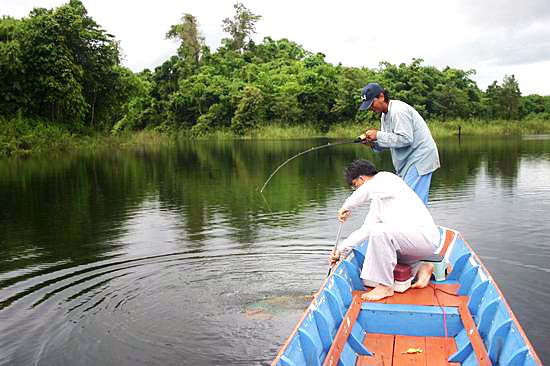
[358, 139]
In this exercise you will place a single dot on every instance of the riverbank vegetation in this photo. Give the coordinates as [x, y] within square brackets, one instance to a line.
[62, 85]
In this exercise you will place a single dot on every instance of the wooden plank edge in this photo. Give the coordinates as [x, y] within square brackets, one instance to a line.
[343, 332]
[473, 334]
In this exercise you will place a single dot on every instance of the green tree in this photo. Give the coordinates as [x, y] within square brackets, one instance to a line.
[491, 100]
[240, 28]
[52, 80]
[535, 105]
[283, 50]
[64, 67]
[11, 67]
[138, 110]
[250, 110]
[405, 82]
[503, 101]
[453, 94]
[510, 97]
[192, 41]
[97, 53]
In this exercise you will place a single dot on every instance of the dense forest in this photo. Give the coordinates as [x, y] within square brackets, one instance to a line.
[59, 69]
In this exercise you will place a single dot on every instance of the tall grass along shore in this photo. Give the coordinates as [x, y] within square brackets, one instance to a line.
[23, 138]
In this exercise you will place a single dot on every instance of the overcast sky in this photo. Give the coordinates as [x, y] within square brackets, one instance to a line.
[493, 37]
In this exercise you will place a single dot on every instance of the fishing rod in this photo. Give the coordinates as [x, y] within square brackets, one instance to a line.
[335, 246]
[357, 140]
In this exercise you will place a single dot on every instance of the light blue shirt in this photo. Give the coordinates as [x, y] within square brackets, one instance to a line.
[408, 137]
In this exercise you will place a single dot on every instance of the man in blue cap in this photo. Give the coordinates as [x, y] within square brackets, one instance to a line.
[405, 133]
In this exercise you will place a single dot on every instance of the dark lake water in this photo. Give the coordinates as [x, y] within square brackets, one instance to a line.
[170, 256]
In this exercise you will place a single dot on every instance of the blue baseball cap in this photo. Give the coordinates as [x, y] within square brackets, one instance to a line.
[369, 92]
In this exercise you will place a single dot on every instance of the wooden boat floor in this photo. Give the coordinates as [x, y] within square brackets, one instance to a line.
[432, 295]
[389, 349]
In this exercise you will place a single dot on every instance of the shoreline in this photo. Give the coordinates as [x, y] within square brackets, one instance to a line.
[48, 139]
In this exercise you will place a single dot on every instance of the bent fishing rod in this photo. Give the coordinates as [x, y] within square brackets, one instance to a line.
[355, 141]
[335, 246]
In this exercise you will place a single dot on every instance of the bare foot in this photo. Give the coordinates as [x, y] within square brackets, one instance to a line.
[378, 293]
[423, 276]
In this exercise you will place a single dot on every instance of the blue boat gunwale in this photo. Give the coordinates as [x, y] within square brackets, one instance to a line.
[308, 312]
[503, 300]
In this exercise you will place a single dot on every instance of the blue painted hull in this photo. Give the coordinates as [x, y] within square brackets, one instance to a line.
[499, 336]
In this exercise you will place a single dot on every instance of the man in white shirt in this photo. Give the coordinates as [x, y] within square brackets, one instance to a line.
[398, 226]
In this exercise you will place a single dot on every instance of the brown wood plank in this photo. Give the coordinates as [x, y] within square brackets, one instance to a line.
[446, 294]
[438, 350]
[343, 332]
[413, 296]
[381, 345]
[451, 348]
[473, 334]
[401, 357]
[447, 287]
[425, 296]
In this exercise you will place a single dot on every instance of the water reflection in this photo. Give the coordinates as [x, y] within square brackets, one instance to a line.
[172, 256]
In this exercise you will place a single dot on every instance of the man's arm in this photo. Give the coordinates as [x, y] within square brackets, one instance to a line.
[355, 238]
[402, 135]
[358, 197]
[359, 235]
[361, 195]
[345, 247]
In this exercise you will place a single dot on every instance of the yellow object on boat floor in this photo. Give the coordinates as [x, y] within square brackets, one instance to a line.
[413, 350]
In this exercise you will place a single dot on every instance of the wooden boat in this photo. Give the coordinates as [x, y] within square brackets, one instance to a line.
[462, 319]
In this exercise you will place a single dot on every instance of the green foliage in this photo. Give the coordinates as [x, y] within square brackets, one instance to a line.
[504, 101]
[11, 67]
[192, 42]
[21, 136]
[60, 67]
[250, 110]
[240, 28]
[138, 112]
[535, 107]
[449, 93]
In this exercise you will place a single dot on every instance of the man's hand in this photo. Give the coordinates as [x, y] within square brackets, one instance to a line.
[343, 214]
[334, 256]
[370, 134]
[366, 141]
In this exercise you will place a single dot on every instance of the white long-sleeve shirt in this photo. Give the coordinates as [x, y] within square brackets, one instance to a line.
[392, 202]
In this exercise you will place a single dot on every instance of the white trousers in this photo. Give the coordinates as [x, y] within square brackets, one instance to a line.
[389, 244]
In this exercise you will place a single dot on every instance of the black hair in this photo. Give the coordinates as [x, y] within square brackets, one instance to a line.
[358, 168]
[386, 96]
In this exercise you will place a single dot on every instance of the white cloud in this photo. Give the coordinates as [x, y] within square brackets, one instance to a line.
[494, 37]
[504, 14]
